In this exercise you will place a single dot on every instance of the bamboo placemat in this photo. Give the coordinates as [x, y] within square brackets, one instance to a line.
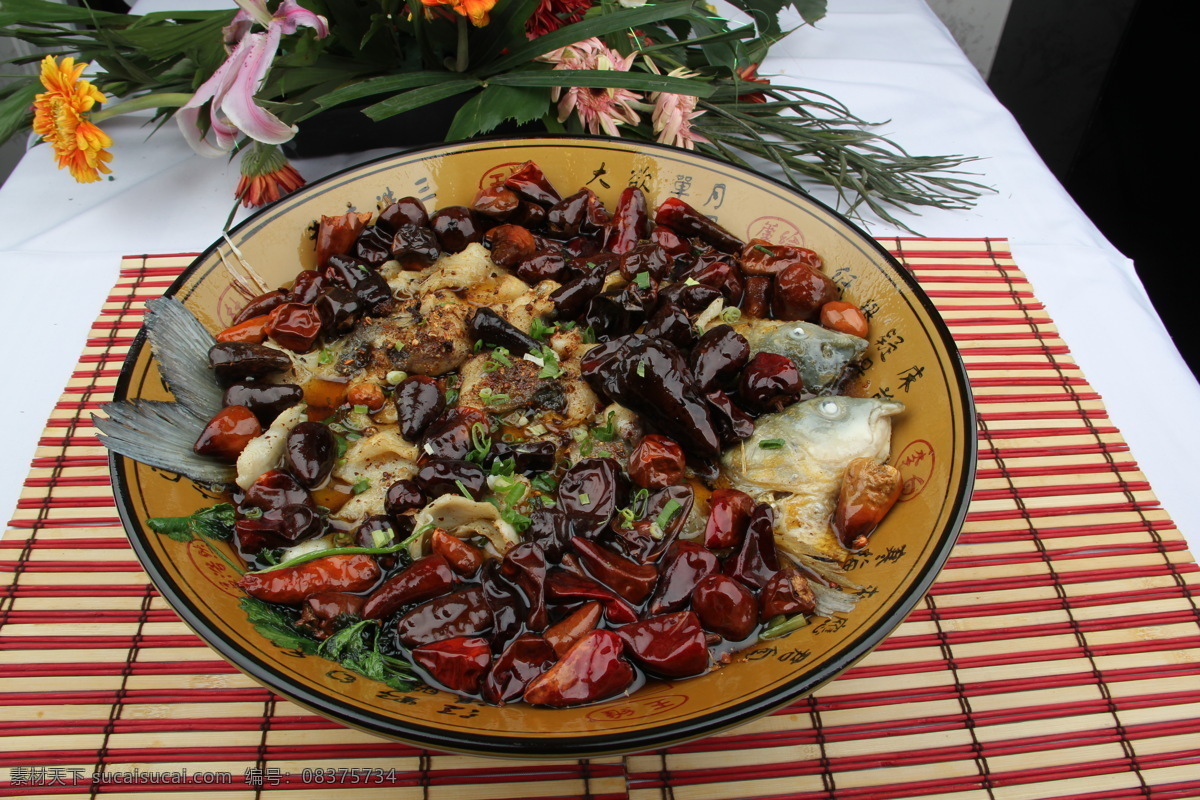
[1056, 656]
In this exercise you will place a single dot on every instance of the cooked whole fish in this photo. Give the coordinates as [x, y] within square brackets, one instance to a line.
[796, 460]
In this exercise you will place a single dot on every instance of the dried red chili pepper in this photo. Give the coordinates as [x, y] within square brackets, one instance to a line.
[869, 490]
[629, 579]
[788, 592]
[265, 303]
[336, 235]
[562, 585]
[580, 214]
[728, 515]
[838, 315]
[496, 202]
[756, 299]
[525, 565]
[423, 579]
[656, 462]
[463, 613]
[561, 635]
[800, 291]
[252, 330]
[228, 433]
[530, 182]
[463, 557]
[592, 669]
[671, 645]
[725, 607]
[757, 560]
[686, 221]
[760, 257]
[686, 563]
[630, 222]
[458, 664]
[526, 658]
[290, 585]
[294, 326]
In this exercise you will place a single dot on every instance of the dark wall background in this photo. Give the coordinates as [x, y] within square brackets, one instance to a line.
[1101, 89]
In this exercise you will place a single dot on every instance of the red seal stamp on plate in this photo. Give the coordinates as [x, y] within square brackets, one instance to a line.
[638, 709]
[775, 230]
[497, 174]
[210, 565]
[915, 463]
[229, 304]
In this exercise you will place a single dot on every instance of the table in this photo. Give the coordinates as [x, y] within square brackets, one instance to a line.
[886, 59]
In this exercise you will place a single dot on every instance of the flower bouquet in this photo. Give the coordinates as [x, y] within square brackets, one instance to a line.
[245, 81]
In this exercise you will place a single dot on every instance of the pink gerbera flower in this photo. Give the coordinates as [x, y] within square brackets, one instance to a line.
[673, 115]
[598, 109]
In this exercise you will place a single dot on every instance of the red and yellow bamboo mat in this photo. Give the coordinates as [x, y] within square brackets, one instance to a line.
[1058, 654]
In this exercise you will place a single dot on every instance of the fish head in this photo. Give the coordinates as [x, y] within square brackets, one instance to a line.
[811, 442]
[821, 355]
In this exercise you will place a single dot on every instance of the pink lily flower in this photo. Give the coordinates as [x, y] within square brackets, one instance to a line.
[230, 91]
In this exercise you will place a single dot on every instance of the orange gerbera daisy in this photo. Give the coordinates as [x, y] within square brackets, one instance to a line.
[59, 118]
[266, 176]
[478, 11]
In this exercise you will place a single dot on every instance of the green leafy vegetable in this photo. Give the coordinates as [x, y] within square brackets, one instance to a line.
[215, 522]
[356, 647]
[277, 623]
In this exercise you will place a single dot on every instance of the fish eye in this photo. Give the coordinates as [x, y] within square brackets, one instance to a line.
[798, 332]
[831, 409]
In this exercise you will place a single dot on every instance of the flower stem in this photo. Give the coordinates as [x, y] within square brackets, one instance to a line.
[165, 100]
[460, 62]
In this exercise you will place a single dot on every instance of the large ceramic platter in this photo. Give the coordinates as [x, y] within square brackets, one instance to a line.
[911, 358]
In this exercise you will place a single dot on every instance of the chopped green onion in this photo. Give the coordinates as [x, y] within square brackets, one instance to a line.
[465, 492]
[326, 356]
[641, 369]
[762, 248]
[540, 330]
[481, 443]
[396, 376]
[642, 279]
[731, 315]
[477, 346]
[492, 398]
[640, 500]
[781, 626]
[608, 431]
[361, 410]
[584, 499]
[589, 335]
[381, 536]
[771, 444]
[543, 482]
[691, 282]
[669, 510]
[537, 429]
[500, 354]
[550, 367]
[361, 485]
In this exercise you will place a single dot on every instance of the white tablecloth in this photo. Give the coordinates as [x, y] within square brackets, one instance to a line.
[888, 60]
